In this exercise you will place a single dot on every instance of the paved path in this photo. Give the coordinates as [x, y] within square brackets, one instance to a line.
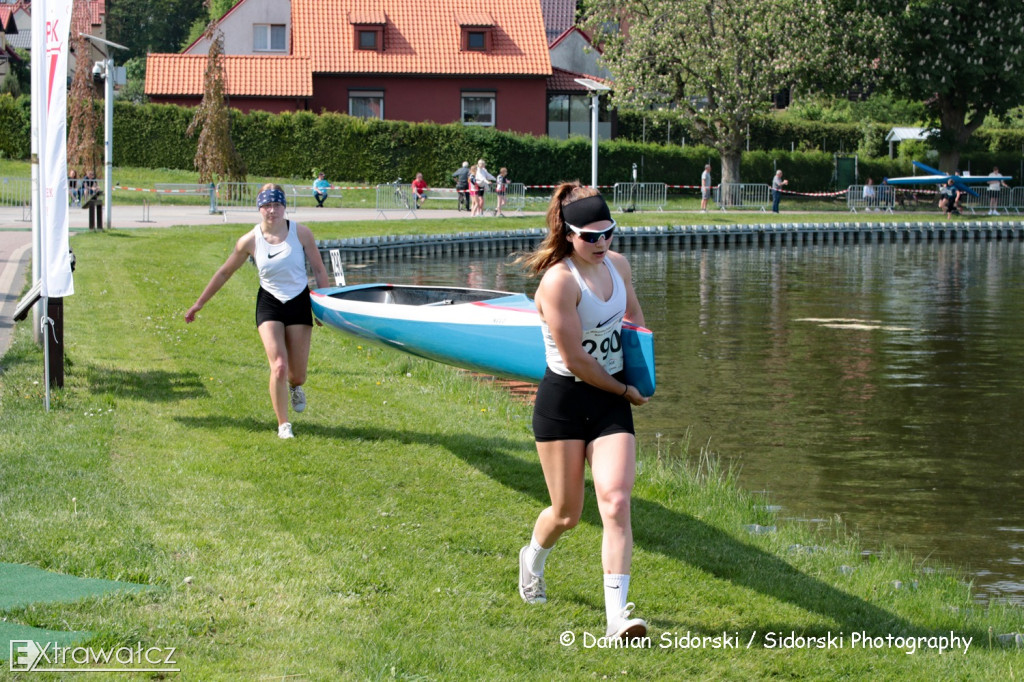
[16, 237]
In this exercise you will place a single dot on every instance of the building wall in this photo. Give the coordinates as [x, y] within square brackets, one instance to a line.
[237, 27]
[243, 104]
[520, 104]
[574, 53]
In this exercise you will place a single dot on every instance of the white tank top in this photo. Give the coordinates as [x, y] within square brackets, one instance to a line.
[601, 322]
[282, 267]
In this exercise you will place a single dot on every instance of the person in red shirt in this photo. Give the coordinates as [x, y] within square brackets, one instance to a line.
[419, 189]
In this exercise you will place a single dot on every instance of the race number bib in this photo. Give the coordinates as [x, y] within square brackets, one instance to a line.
[605, 345]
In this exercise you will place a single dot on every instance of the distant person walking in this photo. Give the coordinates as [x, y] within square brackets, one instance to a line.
[705, 188]
[280, 249]
[501, 184]
[461, 177]
[777, 184]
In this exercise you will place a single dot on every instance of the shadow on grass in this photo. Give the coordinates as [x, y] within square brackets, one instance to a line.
[151, 385]
[656, 528]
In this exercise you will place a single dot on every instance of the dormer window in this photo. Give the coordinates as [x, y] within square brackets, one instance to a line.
[477, 32]
[370, 39]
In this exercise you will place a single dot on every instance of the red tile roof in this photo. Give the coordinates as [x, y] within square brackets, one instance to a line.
[244, 75]
[7, 20]
[565, 81]
[421, 37]
[559, 16]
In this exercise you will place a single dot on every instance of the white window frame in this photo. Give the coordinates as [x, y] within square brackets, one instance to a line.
[266, 31]
[366, 94]
[492, 96]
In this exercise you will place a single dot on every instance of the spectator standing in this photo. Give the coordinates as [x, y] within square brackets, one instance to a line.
[501, 184]
[483, 181]
[705, 188]
[461, 177]
[320, 187]
[777, 184]
[472, 190]
[419, 189]
[993, 192]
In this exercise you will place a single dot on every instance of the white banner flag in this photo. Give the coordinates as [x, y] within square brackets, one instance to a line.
[51, 24]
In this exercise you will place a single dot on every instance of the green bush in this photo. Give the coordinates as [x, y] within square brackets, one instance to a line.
[292, 144]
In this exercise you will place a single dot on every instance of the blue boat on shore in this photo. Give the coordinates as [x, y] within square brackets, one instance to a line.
[494, 332]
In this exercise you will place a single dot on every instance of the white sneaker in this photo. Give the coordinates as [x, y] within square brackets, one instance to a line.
[531, 587]
[285, 430]
[298, 398]
[626, 627]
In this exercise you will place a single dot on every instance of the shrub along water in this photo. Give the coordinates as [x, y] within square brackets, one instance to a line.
[292, 144]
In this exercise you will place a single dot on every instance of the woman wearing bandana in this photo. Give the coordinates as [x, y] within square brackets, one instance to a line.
[284, 318]
[583, 409]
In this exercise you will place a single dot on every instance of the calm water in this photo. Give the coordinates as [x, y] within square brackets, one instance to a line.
[876, 382]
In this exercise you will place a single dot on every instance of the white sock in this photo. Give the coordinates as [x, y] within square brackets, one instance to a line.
[536, 556]
[616, 591]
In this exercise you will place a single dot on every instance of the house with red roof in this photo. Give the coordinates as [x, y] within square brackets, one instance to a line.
[8, 30]
[439, 61]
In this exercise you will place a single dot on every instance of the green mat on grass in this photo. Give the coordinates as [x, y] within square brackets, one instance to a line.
[12, 632]
[22, 585]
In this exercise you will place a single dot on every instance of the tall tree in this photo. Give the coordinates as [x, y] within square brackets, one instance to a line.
[151, 25]
[717, 63]
[84, 148]
[963, 58]
[216, 157]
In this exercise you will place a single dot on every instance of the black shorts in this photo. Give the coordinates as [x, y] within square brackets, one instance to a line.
[566, 409]
[299, 310]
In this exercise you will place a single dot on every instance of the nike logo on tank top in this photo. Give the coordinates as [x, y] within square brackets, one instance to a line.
[282, 267]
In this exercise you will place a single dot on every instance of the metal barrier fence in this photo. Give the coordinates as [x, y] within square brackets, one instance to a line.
[640, 196]
[882, 198]
[190, 189]
[395, 196]
[1004, 200]
[1016, 202]
[515, 198]
[742, 195]
[15, 191]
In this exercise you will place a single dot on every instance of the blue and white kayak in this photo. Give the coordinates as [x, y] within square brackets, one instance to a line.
[495, 332]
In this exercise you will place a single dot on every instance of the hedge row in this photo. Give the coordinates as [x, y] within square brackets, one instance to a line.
[351, 149]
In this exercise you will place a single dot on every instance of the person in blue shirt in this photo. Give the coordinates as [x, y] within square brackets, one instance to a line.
[320, 187]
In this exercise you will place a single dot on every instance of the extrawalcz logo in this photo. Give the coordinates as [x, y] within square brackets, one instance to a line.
[25, 654]
[29, 656]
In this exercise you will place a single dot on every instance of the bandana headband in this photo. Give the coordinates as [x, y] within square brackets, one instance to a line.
[585, 211]
[270, 196]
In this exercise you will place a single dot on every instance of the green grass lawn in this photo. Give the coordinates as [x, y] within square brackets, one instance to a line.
[381, 543]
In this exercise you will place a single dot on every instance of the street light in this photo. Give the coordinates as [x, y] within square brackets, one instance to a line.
[105, 69]
[595, 90]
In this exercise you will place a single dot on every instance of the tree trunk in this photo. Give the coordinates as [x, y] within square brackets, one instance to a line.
[730, 165]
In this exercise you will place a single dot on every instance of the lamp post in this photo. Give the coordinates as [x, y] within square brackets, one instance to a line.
[106, 69]
[595, 89]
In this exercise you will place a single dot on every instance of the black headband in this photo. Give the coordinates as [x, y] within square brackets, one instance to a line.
[585, 211]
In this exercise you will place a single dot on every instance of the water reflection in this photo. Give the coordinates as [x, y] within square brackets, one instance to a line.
[877, 382]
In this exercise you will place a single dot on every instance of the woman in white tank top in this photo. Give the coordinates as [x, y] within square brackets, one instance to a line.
[582, 412]
[280, 249]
